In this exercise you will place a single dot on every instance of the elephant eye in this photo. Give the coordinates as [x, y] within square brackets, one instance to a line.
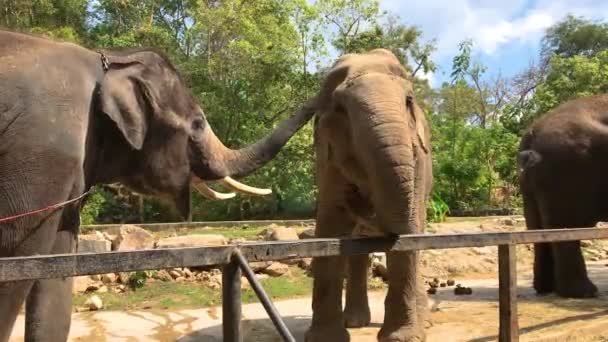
[198, 124]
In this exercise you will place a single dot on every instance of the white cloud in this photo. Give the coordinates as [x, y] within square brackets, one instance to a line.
[429, 76]
[491, 24]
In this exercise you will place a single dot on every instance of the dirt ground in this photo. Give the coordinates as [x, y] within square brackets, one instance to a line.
[454, 318]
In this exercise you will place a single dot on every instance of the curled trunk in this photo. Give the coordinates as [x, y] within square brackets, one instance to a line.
[216, 161]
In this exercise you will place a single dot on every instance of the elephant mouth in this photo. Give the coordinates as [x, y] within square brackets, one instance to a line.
[361, 210]
[204, 189]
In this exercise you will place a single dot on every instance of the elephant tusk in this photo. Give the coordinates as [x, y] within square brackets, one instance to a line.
[211, 194]
[244, 188]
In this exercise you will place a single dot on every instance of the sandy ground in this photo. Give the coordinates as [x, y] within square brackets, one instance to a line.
[454, 318]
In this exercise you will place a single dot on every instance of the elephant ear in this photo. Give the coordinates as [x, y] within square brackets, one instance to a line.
[418, 118]
[125, 98]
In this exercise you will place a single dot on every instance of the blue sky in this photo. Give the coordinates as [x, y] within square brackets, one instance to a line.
[506, 33]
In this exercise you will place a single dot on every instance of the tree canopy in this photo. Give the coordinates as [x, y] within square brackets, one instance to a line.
[251, 63]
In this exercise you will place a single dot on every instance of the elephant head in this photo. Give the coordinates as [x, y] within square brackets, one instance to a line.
[371, 129]
[169, 143]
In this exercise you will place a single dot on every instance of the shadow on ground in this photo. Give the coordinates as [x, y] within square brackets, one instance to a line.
[254, 330]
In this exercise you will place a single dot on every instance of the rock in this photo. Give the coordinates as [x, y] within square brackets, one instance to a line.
[586, 243]
[131, 238]
[180, 279]
[123, 277]
[81, 284]
[276, 233]
[262, 276]
[259, 266]
[94, 303]
[307, 234]
[451, 282]
[214, 281]
[187, 273]
[108, 278]
[120, 289]
[95, 277]
[175, 274]
[109, 237]
[94, 246]
[93, 242]
[103, 289]
[291, 262]
[163, 275]
[432, 291]
[442, 284]
[195, 240]
[93, 288]
[277, 269]
[305, 264]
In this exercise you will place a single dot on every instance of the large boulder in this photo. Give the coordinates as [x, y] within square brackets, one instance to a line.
[277, 269]
[93, 243]
[307, 234]
[131, 238]
[196, 240]
[276, 233]
[83, 283]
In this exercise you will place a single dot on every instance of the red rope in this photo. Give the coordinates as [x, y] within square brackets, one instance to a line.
[50, 207]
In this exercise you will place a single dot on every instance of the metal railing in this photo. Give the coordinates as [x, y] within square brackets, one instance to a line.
[234, 260]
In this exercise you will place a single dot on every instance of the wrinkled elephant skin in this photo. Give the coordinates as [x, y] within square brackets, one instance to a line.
[373, 169]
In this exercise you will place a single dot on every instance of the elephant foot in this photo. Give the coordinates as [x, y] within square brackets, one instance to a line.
[582, 289]
[403, 334]
[354, 318]
[325, 333]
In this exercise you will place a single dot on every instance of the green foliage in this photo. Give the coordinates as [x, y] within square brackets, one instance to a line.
[138, 279]
[572, 77]
[575, 36]
[252, 63]
[93, 207]
[437, 210]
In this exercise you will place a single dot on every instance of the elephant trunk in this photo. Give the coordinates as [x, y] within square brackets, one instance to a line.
[214, 161]
[385, 148]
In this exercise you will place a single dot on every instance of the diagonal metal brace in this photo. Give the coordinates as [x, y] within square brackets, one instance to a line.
[264, 299]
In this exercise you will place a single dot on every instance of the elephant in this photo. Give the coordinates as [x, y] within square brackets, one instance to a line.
[71, 118]
[374, 175]
[562, 163]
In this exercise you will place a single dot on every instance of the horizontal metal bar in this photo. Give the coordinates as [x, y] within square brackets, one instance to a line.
[271, 310]
[65, 265]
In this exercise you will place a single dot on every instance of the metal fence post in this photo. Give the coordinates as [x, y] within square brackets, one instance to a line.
[231, 301]
[507, 284]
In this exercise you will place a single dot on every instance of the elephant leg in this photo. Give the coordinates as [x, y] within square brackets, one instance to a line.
[12, 296]
[328, 272]
[570, 272]
[571, 278]
[356, 310]
[49, 304]
[401, 303]
[544, 276]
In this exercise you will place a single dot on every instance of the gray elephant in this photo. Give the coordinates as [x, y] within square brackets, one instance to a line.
[71, 118]
[374, 175]
[563, 160]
